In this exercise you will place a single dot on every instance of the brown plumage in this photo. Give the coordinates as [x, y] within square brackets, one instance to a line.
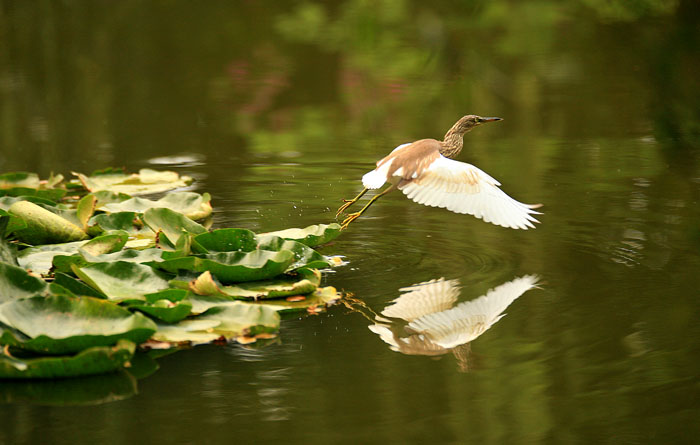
[424, 171]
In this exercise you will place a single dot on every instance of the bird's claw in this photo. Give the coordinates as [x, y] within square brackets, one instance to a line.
[351, 217]
[348, 203]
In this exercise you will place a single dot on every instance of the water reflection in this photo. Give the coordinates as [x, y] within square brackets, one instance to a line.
[424, 320]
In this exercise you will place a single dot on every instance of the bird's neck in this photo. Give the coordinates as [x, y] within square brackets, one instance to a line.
[453, 143]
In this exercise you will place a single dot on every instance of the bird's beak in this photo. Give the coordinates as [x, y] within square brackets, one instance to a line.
[490, 119]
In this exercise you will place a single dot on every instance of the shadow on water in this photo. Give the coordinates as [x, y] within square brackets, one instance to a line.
[425, 319]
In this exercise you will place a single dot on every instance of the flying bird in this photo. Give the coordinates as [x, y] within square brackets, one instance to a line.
[426, 173]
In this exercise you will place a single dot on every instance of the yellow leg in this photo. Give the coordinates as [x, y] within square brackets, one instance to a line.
[349, 202]
[353, 216]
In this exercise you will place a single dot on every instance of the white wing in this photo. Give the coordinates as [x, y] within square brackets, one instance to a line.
[423, 298]
[466, 321]
[464, 188]
[377, 177]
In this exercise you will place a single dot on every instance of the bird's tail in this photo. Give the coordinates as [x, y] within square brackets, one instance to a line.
[374, 179]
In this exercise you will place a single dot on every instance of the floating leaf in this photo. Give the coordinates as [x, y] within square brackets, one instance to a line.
[304, 256]
[77, 287]
[194, 332]
[15, 282]
[173, 295]
[19, 179]
[85, 209]
[91, 361]
[112, 241]
[164, 310]
[145, 182]
[59, 324]
[192, 205]
[310, 236]
[44, 227]
[205, 285]
[126, 221]
[121, 280]
[319, 300]
[234, 267]
[39, 258]
[171, 223]
[305, 282]
[226, 240]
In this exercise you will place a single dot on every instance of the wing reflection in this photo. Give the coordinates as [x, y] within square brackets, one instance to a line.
[425, 321]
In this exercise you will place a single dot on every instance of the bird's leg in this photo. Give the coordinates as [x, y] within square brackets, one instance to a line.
[349, 202]
[353, 216]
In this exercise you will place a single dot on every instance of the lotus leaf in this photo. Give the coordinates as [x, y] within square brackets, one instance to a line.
[121, 280]
[194, 332]
[112, 241]
[192, 205]
[15, 282]
[39, 258]
[94, 360]
[226, 240]
[319, 300]
[145, 182]
[305, 256]
[108, 197]
[170, 223]
[311, 236]
[43, 226]
[19, 179]
[127, 221]
[85, 209]
[164, 310]
[234, 267]
[59, 324]
[305, 282]
[75, 286]
[173, 295]
[202, 303]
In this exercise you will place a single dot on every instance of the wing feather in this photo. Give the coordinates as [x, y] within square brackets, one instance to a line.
[464, 188]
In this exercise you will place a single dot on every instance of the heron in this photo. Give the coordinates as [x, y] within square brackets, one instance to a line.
[426, 173]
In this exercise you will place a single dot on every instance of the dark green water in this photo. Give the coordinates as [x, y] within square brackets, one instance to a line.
[279, 110]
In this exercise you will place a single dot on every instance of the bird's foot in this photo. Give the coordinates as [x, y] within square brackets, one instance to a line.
[348, 203]
[351, 217]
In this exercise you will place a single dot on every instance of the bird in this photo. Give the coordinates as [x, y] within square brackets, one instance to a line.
[426, 173]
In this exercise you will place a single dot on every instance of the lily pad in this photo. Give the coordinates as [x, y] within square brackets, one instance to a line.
[192, 205]
[19, 179]
[164, 310]
[77, 287]
[91, 361]
[59, 324]
[304, 256]
[43, 226]
[126, 221]
[15, 283]
[145, 182]
[311, 236]
[39, 258]
[191, 332]
[302, 283]
[171, 223]
[226, 240]
[234, 267]
[121, 280]
[312, 303]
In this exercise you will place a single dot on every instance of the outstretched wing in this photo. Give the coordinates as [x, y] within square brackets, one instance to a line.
[464, 188]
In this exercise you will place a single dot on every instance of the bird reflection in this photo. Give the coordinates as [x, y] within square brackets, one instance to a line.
[424, 320]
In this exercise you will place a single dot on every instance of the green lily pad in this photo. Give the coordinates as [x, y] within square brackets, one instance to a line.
[304, 256]
[164, 310]
[202, 303]
[121, 280]
[226, 240]
[231, 320]
[39, 258]
[43, 226]
[315, 302]
[59, 324]
[85, 209]
[311, 236]
[15, 283]
[192, 205]
[305, 282]
[173, 295]
[91, 361]
[8, 252]
[19, 179]
[126, 221]
[234, 267]
[145, 182]
[112, 241]
[171, 223]
[75, 286]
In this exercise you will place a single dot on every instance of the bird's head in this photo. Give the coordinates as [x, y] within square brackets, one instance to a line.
[471, 120]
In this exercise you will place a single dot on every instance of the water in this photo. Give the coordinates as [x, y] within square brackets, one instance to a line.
[279, 113]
